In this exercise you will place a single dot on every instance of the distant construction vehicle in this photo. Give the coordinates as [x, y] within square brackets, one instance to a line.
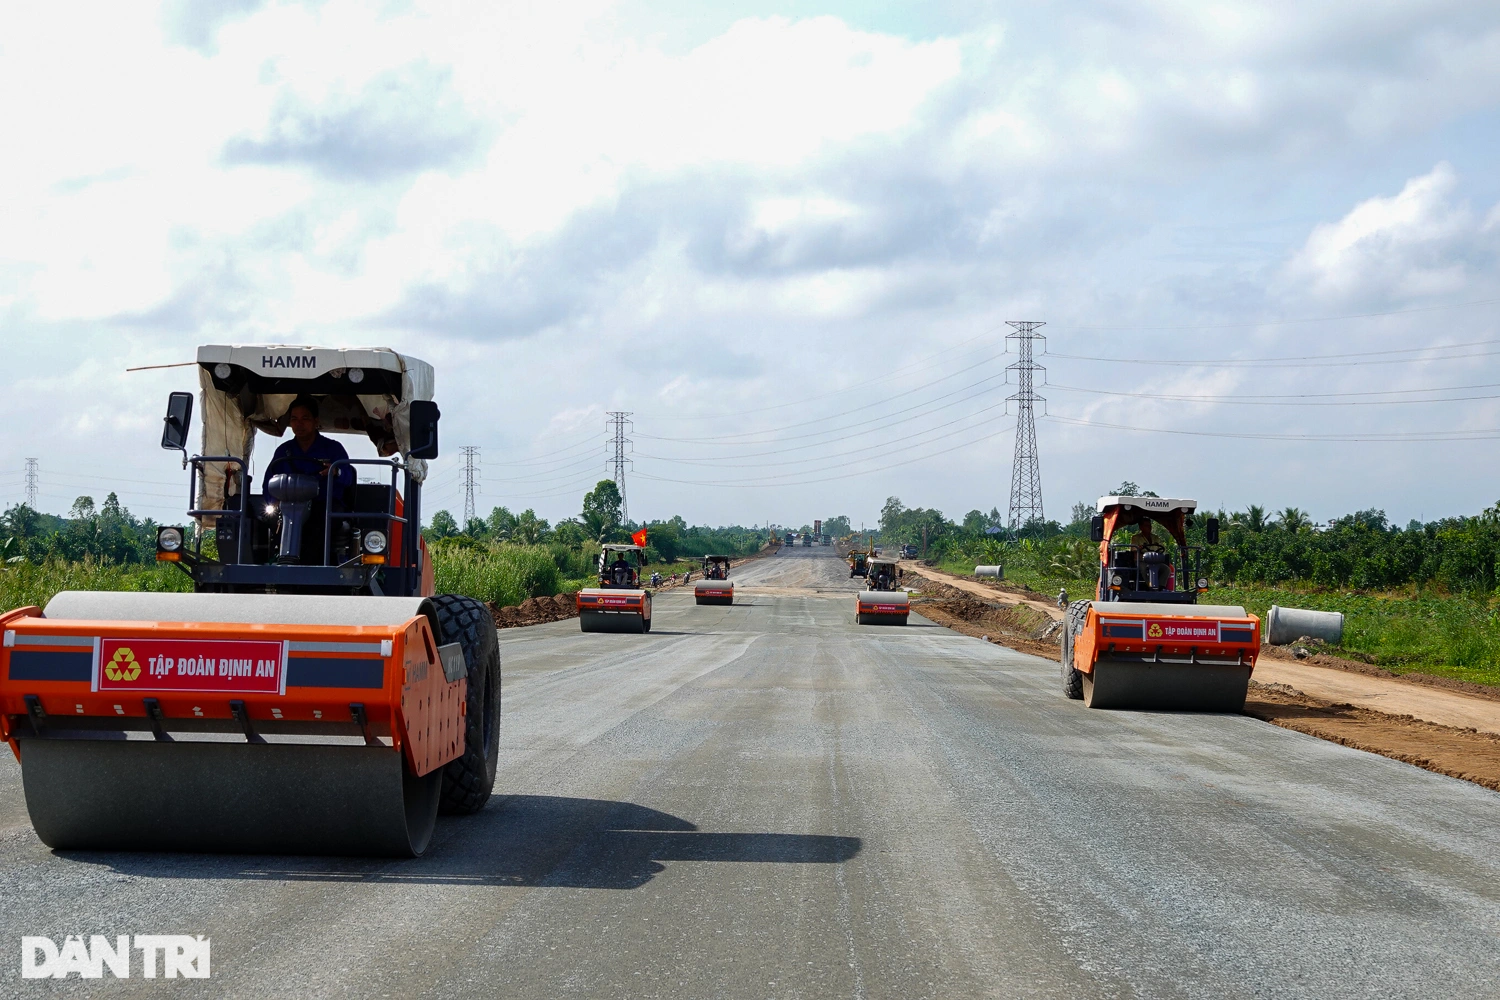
[859, 563]
[619, 603]
[312, 695]
[715, 587]
[1144, 641]
[883, 602]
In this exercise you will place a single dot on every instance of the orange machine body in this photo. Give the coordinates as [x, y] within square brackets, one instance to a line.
[1114, 631]
[603, 599]
[383, 682]
[715, 588]
[883, 603]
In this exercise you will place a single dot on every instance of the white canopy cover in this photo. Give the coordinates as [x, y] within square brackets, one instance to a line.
[1161, 505]
[267, 380]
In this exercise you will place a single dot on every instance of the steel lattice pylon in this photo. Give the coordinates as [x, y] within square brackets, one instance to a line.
[471, 482]
[1026, 466]
[618, 422]
[31, 483]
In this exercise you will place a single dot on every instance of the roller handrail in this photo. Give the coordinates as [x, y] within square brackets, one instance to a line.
[390, 516]
[243, 514]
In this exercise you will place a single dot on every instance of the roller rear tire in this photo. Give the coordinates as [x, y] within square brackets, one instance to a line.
[1072, 677]
[469, 779]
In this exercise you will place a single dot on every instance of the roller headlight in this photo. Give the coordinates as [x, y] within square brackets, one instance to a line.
[1202, 583]
[169, 539]
[374, 542]
[1116, 580]
[222, 370]
[356, 375]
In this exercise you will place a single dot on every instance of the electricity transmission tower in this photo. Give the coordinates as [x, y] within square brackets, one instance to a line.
[1026, 467]
[31, 483]
[471, 482]
[618, 424]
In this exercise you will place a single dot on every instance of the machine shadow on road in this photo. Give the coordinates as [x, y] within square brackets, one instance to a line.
[523, 841]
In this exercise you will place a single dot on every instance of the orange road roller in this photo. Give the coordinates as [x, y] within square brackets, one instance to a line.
[1144, 641]
[311, 695]
[619, 603]
[715, 587]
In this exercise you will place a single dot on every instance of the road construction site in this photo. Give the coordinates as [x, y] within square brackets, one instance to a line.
[767, 800]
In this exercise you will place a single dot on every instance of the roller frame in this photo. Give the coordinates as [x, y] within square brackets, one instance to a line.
[713, 592]
[605, 609]
[1166, 657]
[79, 742]
[882, 607]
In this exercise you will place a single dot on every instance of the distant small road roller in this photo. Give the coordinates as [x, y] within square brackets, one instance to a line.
[715, 587]
[1144, 641]
[312, 695]
[883, 602]
[619, 603]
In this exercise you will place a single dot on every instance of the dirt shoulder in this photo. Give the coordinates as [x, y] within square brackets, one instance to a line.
[1459, 753]
[987, 590]
[1285, 692]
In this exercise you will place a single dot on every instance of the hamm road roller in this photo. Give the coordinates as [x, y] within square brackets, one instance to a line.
[619, 603]
[311, 695]
[883, 602]
[1144, 641]
[715, 587]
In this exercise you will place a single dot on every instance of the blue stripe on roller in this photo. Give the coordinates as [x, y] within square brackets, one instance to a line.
[40, 665]
[334, 672]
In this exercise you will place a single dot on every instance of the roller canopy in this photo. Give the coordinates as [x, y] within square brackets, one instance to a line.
[250, 388]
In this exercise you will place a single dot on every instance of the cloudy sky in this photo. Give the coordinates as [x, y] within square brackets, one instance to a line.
[785, 236]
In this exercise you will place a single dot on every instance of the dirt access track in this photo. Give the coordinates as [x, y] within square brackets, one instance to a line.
[1429, 722]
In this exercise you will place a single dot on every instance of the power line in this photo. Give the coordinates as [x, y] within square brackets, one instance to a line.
[1294, 322]
[1026, 466]
[1307, 361]
[1272, 400]
[31, 483]
[1393, 437]
[471, 474]
[618, 421]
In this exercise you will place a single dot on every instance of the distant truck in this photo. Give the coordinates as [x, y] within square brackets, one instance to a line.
[908, 552]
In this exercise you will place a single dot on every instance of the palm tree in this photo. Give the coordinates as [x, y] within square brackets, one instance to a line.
[1255, 518]
[1293, 520]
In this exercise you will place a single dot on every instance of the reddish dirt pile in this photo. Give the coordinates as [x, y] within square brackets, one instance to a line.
[536, 611]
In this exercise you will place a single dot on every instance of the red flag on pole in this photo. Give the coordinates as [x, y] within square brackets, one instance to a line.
[639, 538]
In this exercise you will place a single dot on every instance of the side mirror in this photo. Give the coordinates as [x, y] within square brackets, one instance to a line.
[1211, 528]
[1096, 528]
[423, 416]
[179, 419]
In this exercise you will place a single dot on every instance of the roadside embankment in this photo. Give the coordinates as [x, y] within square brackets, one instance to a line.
[1436, 723]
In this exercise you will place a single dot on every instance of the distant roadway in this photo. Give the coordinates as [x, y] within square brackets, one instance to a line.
[766, 800]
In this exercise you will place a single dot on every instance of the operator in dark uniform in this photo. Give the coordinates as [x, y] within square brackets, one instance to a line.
[309, 453]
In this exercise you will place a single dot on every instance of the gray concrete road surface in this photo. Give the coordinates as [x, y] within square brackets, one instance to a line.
[767, 801]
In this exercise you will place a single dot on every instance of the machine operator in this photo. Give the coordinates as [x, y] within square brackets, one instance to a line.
[309, 453]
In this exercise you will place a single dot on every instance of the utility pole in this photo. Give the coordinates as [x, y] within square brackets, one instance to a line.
[31, 483]
[619, 422]
[1026, 467]
[471, 482]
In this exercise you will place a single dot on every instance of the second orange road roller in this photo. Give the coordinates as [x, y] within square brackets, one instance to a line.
[883, 601]
[715, 587]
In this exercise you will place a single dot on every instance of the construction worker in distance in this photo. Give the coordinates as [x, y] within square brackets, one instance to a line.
[309, 453]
